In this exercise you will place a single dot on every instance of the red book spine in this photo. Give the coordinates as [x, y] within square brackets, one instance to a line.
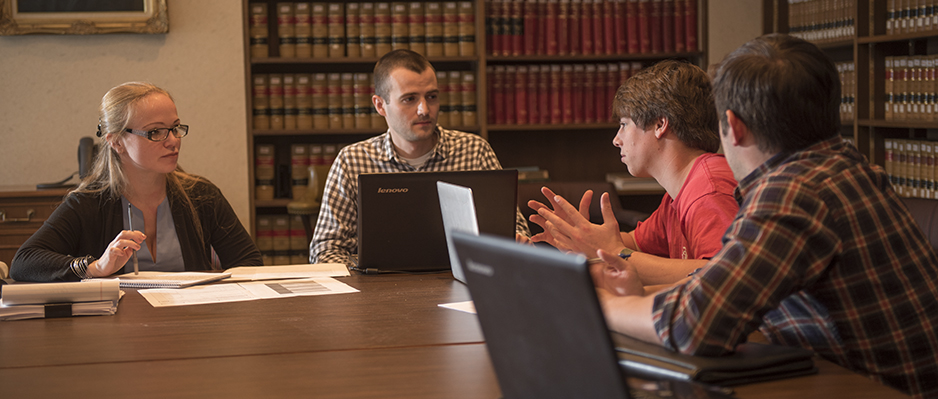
[599, 44]
[499, 95]
[498, 27]
[490, 94]
[506, 27]
[580, 107]
[490, 17]
[644, 26]
[550, 33]
[586, 31]
[573, 22]
[612, 85]
[566, 87]
[679, 26]
[584, 93]
[609, 29]
[517, 27]
[563, 26]
[667, 26]
[599, 92]
[530, 27]
[632, 24]
[541, 27]
[544, 98]
[553, 83]
[509, 90]
[690, 26]
[618, 21]
[521, 95]
[654, 24]
[534, 72]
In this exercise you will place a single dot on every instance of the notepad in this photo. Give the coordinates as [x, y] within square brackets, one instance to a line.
[168, 279]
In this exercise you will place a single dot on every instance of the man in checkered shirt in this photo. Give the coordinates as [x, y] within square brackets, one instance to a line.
[823, 254]
[407, 96]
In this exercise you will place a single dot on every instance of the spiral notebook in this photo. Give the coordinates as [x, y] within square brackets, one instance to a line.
[168, 279]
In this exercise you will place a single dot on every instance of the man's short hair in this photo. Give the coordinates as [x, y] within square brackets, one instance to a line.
[785, 89]
[678, 91]
[400, 58]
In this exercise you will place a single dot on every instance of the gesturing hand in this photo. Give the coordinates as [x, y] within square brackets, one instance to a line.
[568, 228]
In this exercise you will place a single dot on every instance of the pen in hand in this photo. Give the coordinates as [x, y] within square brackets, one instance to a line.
[130, 221]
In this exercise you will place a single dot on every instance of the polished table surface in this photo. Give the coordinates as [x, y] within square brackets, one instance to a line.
[391, 340]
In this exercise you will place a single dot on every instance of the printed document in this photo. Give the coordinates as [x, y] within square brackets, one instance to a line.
[247, 291]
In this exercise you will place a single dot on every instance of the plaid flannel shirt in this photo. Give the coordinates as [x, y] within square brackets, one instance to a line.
[336, 235]
[823, 254]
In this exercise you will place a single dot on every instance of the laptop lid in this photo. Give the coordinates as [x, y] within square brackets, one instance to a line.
[400, 227]
[459, 213]
[543, 325]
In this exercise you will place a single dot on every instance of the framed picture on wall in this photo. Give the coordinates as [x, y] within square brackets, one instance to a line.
[82, 17]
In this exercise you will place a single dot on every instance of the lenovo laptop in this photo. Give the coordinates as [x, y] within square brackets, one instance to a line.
[544, 328]
[459, 213]
[400, 227]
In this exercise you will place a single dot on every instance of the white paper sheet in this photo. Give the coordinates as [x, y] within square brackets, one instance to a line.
[255, 273]
[466, 306]
[220, 293]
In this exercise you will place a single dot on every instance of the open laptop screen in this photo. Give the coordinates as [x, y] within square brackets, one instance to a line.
[400, 226]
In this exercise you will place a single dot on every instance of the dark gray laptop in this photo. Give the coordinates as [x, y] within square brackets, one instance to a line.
[543, 325]
[400, 227]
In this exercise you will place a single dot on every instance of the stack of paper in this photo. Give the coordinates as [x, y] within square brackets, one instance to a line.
[87, 298]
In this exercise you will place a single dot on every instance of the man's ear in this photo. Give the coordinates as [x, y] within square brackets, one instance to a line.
[379, 105]
[661, 126]
[737, 129]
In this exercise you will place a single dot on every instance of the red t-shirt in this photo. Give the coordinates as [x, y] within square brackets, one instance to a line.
[691, 226]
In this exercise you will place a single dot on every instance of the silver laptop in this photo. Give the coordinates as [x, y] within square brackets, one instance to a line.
[459, 213]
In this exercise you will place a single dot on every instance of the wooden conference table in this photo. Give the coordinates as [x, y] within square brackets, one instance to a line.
[391, 340]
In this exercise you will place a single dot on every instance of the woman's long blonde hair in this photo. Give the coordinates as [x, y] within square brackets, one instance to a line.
[107, 177]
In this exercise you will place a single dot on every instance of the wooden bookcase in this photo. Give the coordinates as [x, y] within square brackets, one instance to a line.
[868, 47]
[570, 152]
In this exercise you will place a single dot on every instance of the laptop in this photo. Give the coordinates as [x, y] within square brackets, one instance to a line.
[459, 213]
[544, 328]
[400, 227]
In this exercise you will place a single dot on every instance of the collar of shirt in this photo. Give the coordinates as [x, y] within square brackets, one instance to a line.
[828, 145]
[442, 148]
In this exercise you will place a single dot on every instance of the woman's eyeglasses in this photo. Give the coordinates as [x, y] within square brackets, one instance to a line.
[179, 131]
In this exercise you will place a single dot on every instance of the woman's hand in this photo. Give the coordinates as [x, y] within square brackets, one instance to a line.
[116, 254]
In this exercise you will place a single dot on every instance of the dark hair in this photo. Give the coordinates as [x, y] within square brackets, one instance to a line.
[677, 91]
[785, 89]
[399, 58]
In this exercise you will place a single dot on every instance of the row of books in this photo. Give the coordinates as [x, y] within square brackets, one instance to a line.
[910, 88]
[555, 93]
[848, 89]
[344, 101]
[562, 27]
[822, 20]
[354, 30]
[289, 177]
[906, 16]
[911, 165]
[282, 239]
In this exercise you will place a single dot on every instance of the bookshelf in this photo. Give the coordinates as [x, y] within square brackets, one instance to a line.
[571, 150]
[888, 110]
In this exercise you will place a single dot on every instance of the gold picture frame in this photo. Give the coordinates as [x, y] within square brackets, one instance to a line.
[105, 18]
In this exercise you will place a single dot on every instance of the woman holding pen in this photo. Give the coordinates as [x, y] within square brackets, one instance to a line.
[182, 221]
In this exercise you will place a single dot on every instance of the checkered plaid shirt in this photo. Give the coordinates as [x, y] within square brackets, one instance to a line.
[336, 234]
[823, 254]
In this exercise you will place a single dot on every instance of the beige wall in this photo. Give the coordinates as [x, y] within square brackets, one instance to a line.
[50, 88]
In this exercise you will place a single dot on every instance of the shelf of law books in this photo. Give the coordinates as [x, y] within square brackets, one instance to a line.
[367, 30]
[282, 239]
[910, 165]
[590, 28]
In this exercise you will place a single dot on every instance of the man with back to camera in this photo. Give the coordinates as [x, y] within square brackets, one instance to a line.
[668, 130]
[823, 254]
[407, 95]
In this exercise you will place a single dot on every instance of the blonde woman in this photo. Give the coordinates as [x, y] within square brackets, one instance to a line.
[181, 222]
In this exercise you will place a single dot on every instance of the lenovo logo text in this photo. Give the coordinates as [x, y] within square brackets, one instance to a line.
[392, 190]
